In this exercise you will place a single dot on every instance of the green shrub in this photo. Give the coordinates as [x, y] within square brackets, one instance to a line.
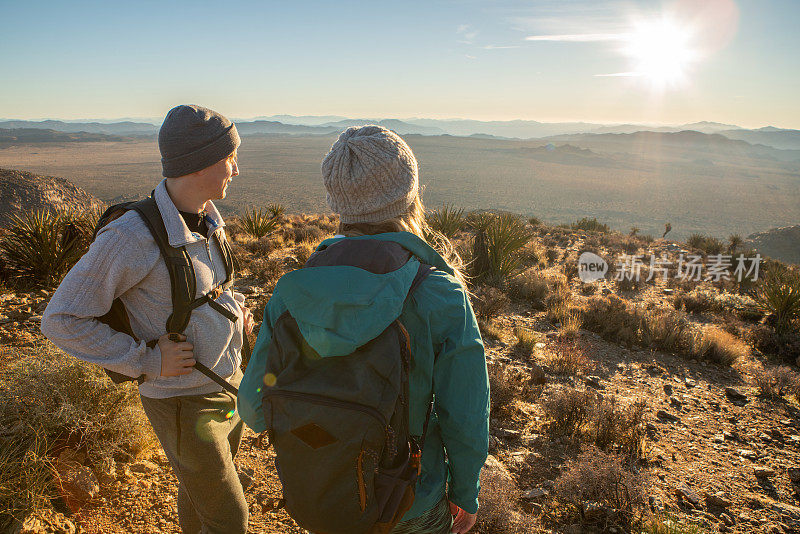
[41, 246]
[258, 222]
[778, 294]
[590, 225]
[447, 220]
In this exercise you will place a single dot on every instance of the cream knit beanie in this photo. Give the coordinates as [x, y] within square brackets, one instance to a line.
[370, 174]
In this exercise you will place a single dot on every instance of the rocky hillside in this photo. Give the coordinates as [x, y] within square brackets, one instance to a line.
[22, 191]
[781, 243]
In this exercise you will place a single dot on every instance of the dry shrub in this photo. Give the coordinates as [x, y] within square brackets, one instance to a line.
[552, 253]
[498, 513]
[263, 246]
[558, 301]
[501, 386]
[568, 410]
[665, 328]
[532, 285]
[605, 422]
[698, 300]
[786, 346]
[489, 302]
[774, 382]
[489, 330]
[268, 270]
[567, 359]
[608, 484]
[612, 318]
[49, 401]
[632, 281]
[717, 345]
[303, 251]
[526, 340]
[534, 255]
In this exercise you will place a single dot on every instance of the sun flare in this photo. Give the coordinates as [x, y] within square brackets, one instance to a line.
[661, 52]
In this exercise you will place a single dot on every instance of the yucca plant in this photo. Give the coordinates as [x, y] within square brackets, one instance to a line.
[276, 211]
[258, 222]
[778, 294]
[41, 246]
[734, 242]
[590, 225]
[497, 246]
[447, 220]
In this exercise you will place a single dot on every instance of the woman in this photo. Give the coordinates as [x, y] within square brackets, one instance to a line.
[371, 177]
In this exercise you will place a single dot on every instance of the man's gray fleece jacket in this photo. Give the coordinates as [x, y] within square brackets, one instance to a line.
[124, 261]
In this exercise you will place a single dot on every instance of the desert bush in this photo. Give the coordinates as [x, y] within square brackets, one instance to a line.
[303, 251]
[534, 221]
[708, 244]
[614, 426]
[41, 246]
[535, 286]
[498, 512]
[552, 255]
[262, 247]
[568, 410]
[268, 270]
[447, 220]
[567, 358]
[778, 294]
[734, 242]
[558, 302]
[501, 386]
[301, 232]
[534, 254]
[664, 328]
[665, 523]
[612, 318]
[786, 346]
[489, 302]
[48, 401]
[605, 490]
[496, 249]
[489, 330]
[698, 300]
[775, 381]
[590, 225]
[258, 223]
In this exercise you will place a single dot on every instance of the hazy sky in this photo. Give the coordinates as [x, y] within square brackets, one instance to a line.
[733, 61]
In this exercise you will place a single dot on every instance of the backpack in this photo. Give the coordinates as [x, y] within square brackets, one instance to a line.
[339, 425]
[182, 281]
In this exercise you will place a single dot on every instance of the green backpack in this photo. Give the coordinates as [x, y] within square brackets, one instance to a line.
[339, 425]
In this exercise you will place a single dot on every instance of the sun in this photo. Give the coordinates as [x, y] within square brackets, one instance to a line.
[661, 52]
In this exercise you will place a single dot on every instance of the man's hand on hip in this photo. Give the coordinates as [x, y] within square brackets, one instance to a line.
[177, 357]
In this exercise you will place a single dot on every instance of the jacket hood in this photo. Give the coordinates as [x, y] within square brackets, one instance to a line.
[339, 308]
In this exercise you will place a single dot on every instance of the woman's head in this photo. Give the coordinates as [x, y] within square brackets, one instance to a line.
[370, 175]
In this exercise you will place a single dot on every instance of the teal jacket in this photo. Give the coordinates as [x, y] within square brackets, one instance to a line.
[340, 308]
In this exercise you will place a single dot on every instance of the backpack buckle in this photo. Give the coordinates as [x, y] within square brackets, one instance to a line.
[215, 293]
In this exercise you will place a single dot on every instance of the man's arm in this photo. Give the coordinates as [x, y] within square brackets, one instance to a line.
[114, 263]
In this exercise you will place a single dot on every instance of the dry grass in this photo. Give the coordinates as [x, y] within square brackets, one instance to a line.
[571, 324]
[526, 341]
[567, 358]
[498, 512]
[717, 345]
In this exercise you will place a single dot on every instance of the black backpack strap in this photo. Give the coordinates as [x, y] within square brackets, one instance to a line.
[422, 273]
[179, 266]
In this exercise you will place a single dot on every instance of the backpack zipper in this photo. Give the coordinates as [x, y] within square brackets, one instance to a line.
[327, 401]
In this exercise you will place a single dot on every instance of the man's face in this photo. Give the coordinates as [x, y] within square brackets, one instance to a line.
[214, 180]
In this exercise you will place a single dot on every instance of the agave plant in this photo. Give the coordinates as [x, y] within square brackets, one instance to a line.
[778, 295]
[41, 246]
[447, 220]
[496, 249]
[276, 211]
[258, 222]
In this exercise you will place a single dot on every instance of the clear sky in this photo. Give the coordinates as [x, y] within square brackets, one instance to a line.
[731, 61]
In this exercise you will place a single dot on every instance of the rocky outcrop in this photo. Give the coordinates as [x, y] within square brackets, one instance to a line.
[779, 243]
[22, 191]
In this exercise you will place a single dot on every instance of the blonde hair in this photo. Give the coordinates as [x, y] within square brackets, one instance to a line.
[413, 221]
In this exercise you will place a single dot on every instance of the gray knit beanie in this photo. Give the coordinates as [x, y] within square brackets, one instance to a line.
[370, 174]
[193, 138]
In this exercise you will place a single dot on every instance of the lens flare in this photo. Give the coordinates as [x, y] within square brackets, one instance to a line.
[270, 379]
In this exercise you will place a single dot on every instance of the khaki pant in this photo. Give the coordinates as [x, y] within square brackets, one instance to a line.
[200, 435]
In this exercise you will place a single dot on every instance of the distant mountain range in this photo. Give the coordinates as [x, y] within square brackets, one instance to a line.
[778, 138]
[34, 135]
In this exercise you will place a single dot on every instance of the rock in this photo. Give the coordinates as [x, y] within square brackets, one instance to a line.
[735, 396]
[534, 493]
[143, 467]
[763, 472]
[247, 290]
[506, 433]
[718, 438]
[765, 437]
[675, 403]
[727, 519]
[593, 512]
[718, 499]
[246, 477]
[794, 474]
[494, 473]
[594, 382]
[666, 416]
[746, 453]
[690, 383]
[77, 480]
[686, 493]
[668, 389]
[668, 291]
[106, 472]
[787, 511]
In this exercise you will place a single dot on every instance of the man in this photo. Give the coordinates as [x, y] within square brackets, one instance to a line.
[195, 420]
